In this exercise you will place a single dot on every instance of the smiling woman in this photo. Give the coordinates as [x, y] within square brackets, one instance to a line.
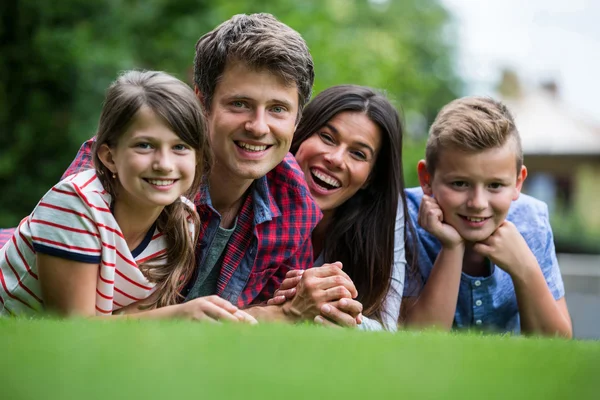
[349, 146]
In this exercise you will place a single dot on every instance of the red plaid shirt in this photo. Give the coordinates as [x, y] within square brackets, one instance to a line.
[272, 235]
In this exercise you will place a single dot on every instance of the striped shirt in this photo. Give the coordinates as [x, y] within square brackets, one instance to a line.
[74, 221]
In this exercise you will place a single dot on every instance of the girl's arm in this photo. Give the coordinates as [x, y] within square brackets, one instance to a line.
[69, 289]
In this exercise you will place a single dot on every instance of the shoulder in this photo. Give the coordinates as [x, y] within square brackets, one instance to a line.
[289, 191]
[413, 201]
[529, 215]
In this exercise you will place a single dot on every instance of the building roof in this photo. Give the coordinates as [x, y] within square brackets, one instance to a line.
[548, 127]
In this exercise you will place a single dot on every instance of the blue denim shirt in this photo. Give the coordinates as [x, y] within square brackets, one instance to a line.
[490, 302]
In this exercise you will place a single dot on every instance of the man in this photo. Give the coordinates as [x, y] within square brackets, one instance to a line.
[253, 75]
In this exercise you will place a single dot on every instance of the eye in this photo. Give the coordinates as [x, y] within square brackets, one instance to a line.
[278, 109]
[459, 184]
[181, 147]
[143, 145]
[238, 104]
[326, 137]
[496, 185]
[359, 155]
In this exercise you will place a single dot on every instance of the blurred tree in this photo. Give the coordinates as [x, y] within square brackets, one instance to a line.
[59, 57]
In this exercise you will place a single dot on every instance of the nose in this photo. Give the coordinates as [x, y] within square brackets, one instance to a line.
[335, 156]
[477, 199]
[163, 161]
[257, 124]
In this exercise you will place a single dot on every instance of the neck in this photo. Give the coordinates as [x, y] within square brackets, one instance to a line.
[134, 221]
[227, 194]
[474, 264]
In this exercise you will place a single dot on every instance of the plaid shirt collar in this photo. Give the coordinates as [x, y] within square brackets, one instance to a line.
[263, 203]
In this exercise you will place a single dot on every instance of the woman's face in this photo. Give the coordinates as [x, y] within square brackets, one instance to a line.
[338, 158]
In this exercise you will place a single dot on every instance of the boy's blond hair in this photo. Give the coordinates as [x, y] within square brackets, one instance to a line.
[472, 124]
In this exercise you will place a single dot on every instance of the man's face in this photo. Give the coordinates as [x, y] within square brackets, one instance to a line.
[251, 122]
[475, 189]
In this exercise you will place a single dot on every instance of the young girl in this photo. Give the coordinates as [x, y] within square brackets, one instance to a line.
[349, 146]
[105, 238]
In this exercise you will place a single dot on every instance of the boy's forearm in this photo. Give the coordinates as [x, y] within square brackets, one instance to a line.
[437, 303]
[539, 312]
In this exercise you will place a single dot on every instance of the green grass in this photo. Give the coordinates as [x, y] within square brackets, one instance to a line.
[42, 359]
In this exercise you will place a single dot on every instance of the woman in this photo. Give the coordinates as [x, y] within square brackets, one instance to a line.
[349, 146]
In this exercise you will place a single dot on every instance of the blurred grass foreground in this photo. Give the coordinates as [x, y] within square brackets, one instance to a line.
[83, 359]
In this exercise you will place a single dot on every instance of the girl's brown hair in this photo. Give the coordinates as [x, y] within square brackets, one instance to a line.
[174, 102]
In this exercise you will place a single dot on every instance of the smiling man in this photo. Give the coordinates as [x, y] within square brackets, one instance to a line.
[253, 75]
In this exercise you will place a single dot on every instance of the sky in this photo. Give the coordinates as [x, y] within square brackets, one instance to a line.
[540, 39]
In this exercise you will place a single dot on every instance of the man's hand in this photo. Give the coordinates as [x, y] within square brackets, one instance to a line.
[318, 286]
[287, 290]
[507, 248]
[213, 309]
[431, 218]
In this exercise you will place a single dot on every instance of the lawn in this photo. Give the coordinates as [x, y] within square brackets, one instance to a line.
[42, 359]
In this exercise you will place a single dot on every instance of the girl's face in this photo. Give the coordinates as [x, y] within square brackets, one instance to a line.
[153, 165]
[337, 159]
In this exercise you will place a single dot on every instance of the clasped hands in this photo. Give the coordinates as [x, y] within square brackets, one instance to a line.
[322, 294]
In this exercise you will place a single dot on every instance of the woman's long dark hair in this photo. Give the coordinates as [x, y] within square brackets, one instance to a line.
[361, 232]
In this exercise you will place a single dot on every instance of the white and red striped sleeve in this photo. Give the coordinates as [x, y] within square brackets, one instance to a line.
[65, 222]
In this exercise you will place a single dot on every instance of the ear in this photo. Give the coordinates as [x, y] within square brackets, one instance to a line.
[106, 157]
[425, 177]
[200, 97]
[521, 176]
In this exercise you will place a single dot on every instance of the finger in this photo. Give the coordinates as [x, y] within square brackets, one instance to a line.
[222, 303]
[324, 322]
[337, 316]
[218, 313]
[349, 306]
[334, 294]
[326, 270]
[289, 283]
[482, 249]
[293, 273]
[276, 301]
[333, 281]
[288, 294]
[243, 316]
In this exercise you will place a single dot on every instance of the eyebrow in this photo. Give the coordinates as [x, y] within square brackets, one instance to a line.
[356, 143]
[284, 103]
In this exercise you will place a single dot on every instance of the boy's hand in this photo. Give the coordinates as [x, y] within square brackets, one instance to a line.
[431, 218]
[507, 248]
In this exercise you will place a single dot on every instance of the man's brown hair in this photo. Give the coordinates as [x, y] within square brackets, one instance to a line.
[259, 41]
[472, 124]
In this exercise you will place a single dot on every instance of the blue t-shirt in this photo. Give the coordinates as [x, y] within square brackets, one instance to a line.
[490, 302]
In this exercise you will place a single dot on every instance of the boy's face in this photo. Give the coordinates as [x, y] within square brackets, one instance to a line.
[475, 189]
[251, 122]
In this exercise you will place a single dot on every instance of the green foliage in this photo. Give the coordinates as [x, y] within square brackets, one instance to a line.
[175, 359]
[59, 57]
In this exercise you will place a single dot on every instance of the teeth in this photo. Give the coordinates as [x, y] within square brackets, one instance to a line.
[252, 147]
[158, 182]
[326, 178]
[475, 219]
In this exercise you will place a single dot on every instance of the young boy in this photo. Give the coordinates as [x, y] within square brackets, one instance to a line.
[485, 252]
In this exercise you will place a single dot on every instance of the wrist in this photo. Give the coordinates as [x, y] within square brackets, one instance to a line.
[290, 313]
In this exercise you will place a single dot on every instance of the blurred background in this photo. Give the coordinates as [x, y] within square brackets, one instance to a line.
[541, 57]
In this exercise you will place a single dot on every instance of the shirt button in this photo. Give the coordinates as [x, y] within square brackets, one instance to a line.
[477, 283]
[478, 303]
[478, 322]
